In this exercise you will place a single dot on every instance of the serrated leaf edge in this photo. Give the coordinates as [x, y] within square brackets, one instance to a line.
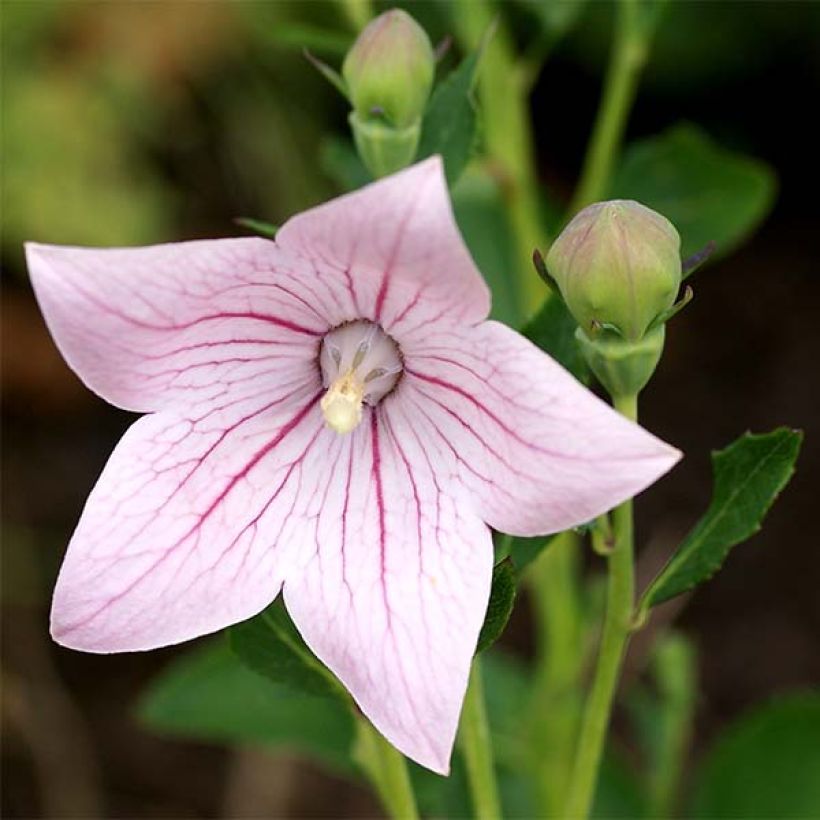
[794, 439]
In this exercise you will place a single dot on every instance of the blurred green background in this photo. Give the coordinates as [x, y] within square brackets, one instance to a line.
[140, 122]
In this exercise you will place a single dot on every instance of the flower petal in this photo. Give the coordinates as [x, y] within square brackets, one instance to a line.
[538, 450]
[393, 596]
[174, 325]
[190, 525]
[397, 242]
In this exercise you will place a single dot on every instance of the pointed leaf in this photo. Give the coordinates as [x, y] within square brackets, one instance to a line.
[270, 645]
[708, 192]
[499, 609]
[209, 694]
[329, 73]
[749, 475]
[449, 125]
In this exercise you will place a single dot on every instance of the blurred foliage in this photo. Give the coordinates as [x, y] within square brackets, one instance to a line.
[767, 764]
[708, 193]
[92, 92]
[699, 44]
[208, 694]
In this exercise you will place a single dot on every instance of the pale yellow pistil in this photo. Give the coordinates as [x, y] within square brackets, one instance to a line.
[342, 404]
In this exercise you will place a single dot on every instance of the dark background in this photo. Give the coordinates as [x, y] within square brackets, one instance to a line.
[134, 123]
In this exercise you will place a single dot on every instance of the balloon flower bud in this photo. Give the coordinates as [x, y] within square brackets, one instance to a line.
[617, 265]
[389, 74]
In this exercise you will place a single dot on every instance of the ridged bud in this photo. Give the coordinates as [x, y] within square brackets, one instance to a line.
[389, 75]
[617, 265]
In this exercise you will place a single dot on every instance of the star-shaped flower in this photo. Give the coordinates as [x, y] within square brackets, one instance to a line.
[330, 415]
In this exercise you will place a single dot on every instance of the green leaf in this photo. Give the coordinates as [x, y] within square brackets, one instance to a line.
[209, 694]
[449, 125]
[553, 330]
[766, 765]
[524, 551]
[618, 793]
[270, 645]
[502, 599]
[708, 192]
[483, 219]
[749, 475]
[257, 226]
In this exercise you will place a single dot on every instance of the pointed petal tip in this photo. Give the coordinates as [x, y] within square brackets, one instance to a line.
[437, 760]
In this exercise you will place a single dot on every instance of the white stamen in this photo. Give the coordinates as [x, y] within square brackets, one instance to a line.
[360, 364]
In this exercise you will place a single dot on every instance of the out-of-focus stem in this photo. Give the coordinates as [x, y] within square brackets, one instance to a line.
[508, 138]
[629, 54]
[555, 710]
[387, 770]
[674, 672]
[358, 12]
[616, 630]
[477, 748]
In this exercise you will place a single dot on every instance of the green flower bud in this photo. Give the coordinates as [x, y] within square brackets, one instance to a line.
[389, 73]
[617, 265]
[389, 70]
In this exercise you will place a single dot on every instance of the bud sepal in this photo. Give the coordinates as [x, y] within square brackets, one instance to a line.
[382, 148]
[623, 367]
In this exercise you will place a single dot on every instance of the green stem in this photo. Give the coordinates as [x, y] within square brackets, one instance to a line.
[616, 630]
[357, 12]
[555, 709]
[476, 746]
[387, 770]
[629, 53]
[508, 138]
[674, 671]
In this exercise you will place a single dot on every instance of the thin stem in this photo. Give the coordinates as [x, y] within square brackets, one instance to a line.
[616, 630]
[476, 746]
[629, 53]
[387, 771]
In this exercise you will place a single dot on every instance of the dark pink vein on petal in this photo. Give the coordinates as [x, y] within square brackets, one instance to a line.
[284, 431]
[377, 478]
[262, 317]
[391, 260]
[505, 427]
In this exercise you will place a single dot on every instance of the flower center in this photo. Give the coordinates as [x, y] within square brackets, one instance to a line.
[360, 363]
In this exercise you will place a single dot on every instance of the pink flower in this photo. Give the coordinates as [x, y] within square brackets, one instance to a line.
[331, 415]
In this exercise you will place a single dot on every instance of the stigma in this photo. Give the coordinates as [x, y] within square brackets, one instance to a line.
[360, 365]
